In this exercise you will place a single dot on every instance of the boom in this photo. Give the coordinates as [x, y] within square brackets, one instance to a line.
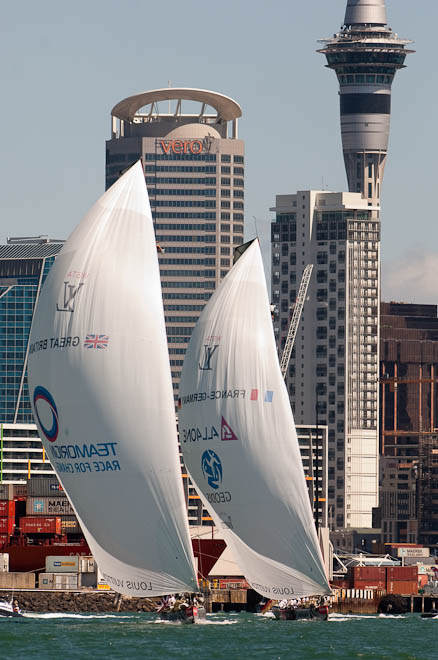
[295, 320]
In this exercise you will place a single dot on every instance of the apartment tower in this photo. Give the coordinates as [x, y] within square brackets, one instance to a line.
[334, 371]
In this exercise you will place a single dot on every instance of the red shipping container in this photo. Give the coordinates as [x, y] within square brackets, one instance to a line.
[4, 539]
[403, 587]
[40, 525]
[403, 573]
[369, 573]
[369, 584]
[7, 525]
[7, 508]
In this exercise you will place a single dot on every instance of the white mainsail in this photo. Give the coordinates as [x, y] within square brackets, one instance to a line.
[100, 385]
[239, 441]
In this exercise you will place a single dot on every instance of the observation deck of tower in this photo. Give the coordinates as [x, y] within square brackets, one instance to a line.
[365, 54]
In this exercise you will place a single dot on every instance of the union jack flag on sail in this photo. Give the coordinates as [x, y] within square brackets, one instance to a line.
[96, 341]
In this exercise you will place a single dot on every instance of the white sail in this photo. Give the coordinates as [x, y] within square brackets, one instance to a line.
[100, 385]
[239, 441]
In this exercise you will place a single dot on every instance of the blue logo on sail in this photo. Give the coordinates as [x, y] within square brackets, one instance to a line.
[211, 468]
[41, 394]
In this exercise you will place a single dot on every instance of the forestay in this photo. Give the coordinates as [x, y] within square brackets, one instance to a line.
[100, 385]
[239, 441]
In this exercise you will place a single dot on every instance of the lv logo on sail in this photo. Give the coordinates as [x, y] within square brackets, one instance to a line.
[70, 293]
[208, 354]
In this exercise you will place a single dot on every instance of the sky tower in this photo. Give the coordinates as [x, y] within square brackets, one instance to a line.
[365, 55]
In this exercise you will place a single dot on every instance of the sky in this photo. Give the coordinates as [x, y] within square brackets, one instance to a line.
[64, 65]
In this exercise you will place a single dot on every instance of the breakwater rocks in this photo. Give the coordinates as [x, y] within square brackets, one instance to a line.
[73, 601]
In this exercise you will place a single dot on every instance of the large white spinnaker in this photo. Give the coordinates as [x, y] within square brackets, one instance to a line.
[239, 441]
[100, 385]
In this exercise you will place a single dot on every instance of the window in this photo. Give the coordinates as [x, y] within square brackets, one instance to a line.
[225, 169]
[225, 250]
[226, 158]
[225, 227]
[226, 193]
[225, 262]
[321, 313]
[225, 216]
[321, 332]
[238, 159]
[321, 370]
[225, 181]
[321, 258]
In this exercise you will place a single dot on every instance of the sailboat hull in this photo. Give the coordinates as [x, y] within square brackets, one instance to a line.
[297, 614]
[186, 615]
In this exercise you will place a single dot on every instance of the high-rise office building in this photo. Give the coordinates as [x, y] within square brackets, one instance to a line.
[194, 166]
[194, 169]
[24, 264]
[333, 373]
[335, 365]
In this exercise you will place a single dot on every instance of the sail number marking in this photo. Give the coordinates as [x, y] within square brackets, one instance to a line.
[196, 434]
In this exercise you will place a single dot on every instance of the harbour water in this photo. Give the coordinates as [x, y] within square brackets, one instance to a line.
[224, 636]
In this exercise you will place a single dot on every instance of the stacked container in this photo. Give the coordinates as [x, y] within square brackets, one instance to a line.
[46, 497]
[68, 572]
[402, 580]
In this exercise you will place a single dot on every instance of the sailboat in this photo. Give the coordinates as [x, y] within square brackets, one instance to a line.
[239, 442]
[101, 393]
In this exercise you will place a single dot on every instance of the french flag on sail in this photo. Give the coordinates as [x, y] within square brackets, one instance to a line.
[269, 395]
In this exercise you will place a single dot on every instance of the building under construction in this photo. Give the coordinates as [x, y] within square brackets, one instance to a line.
[409, 408]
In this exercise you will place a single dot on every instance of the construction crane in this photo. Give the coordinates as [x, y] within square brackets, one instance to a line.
[295, 320]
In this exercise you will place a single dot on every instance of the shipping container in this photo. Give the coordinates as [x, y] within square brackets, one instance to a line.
[4, 562]
[4, 538]
[87, 580]
[44, 487]
[402, 587]
[87, 565]
[369, 573]
[20, 490]
[62, 564]
[7, 525]
[40, 525]
[418, 553]
[65, 580]
[369, 584]
[62, 581]
[45, 581]
[7, 508]
[6, 492]
[49, 506]
[17, 580]
[403, 573]
[70, 525]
